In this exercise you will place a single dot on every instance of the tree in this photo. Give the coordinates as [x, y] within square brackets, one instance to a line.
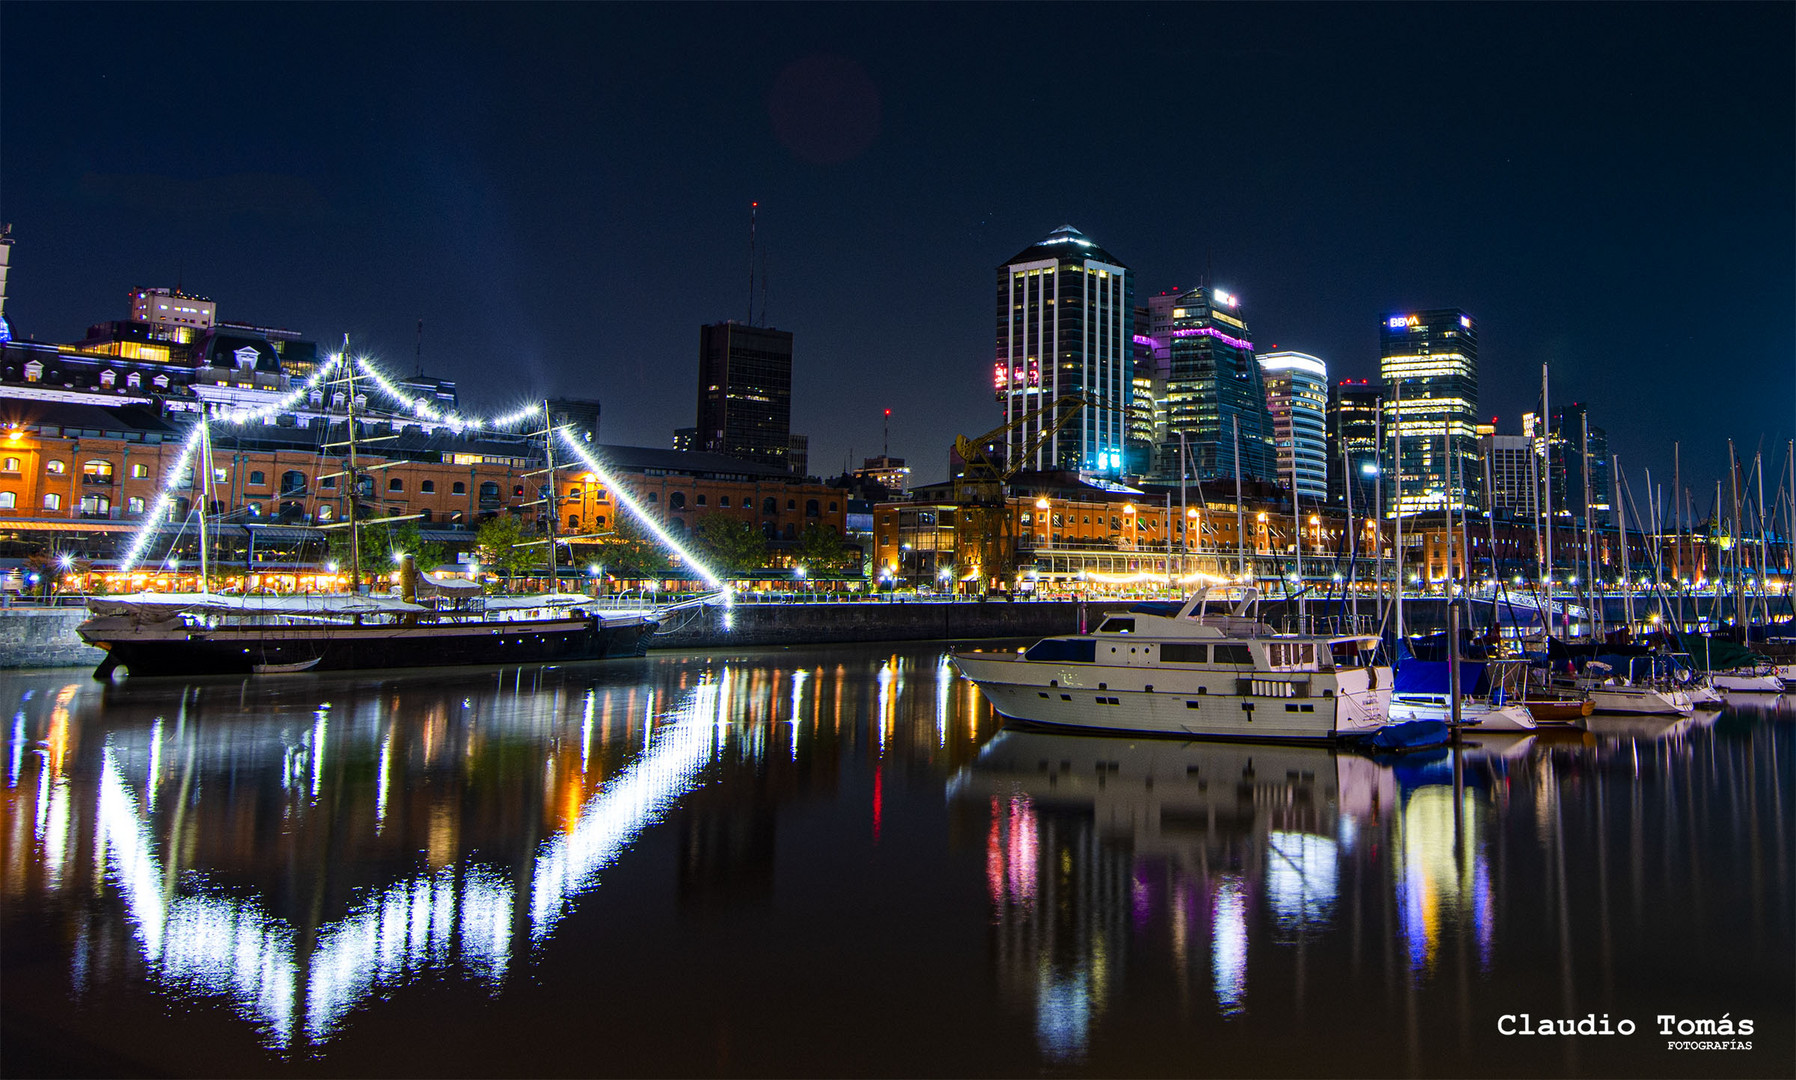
[820, 551]
[381, 542]
[729, 545]
[496, 546]
[630, 552]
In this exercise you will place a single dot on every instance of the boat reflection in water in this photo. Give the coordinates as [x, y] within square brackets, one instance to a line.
[1216, 851]
[791, 861]
[478, 900]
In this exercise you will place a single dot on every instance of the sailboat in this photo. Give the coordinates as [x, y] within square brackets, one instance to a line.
[430, 621]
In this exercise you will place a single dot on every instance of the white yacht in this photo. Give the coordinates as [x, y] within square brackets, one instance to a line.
[1763, 679]
[1473, 712]
[1191, 671]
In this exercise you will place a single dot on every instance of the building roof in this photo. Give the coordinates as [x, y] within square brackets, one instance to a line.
[695, 463]
[117, 420]
[1066, 243]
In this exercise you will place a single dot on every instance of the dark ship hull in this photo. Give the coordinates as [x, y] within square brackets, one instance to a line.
[252, 649]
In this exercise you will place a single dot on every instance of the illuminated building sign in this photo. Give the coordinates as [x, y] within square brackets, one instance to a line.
[1225, 299]
[1465, 321]
[1399, 322]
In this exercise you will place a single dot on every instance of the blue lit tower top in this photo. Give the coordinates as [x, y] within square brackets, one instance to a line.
[1065, 311]
[1432, 358]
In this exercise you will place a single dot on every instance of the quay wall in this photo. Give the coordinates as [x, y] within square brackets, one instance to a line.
[818, 624]
[45, 637]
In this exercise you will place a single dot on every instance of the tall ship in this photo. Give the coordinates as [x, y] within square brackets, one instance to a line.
[1186, 669]
[426, 621]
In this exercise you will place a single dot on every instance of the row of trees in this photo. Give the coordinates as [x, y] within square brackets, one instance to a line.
[729, 545]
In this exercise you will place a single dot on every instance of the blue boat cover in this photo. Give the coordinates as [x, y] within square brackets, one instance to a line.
[1434, 676]
[1410, 736]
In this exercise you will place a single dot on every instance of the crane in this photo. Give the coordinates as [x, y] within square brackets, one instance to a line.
[983, 489]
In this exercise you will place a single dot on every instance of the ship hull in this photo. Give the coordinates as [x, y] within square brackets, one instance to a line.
[336, 647]
[1161, 701]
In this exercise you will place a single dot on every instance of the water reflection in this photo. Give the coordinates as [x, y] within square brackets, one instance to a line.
[294, 849]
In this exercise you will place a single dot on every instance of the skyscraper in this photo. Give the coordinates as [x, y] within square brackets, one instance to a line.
[1568, 437]
[1514, 489]
[1065, 318]
[1297, 398]
[1212, 381]
[1353, 431]
[745, 392]
[1430, 372]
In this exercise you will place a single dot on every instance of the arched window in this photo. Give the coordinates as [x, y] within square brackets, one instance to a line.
[791, 504]
[489, 494]
[257, 479]
[424, 516]
[134, 505]
[254, 510]
[134, 380]
[677, 526]
[293, 482]
[654, 497]
[598, 522]
[95, 506]
[811, 509]
[724, 502]
[96, 471]
[293, 512]
[701, 499]
[768, 530]
[770, 505]
[11, 464]
[52, 501]
[832, 506]
[458, 488]
[8, 500]
[325, 513]
[55, 468]
[395, 483]
[139, 471]
[573, 521]
[517, 491]
[676, 500]
[428, 487]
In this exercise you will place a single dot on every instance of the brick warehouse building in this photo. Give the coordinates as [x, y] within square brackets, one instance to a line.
[80, 477]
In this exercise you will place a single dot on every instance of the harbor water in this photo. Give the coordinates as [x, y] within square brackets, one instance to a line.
[836, 860]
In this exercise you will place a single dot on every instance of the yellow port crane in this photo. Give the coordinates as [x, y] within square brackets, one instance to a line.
[982, 491]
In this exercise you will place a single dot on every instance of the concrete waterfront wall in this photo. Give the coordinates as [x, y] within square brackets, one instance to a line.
[44, 637]
[818, 624]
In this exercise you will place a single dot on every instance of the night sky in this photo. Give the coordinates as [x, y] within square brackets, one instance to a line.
[561, 192]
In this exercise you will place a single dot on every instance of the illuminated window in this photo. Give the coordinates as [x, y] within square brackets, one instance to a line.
[52, 501]
[55, 468]
[140, 471]
[10, 465]
[96, 471]
[8, 500]
[34, 371]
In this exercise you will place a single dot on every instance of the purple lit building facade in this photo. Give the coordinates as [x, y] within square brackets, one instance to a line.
[1212, 383]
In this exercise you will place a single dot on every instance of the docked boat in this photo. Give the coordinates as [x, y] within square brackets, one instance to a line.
[1568, 709]
[218, 634]
[1190, 670]
[1760, 679]
[1423, 691]
[1477, 713]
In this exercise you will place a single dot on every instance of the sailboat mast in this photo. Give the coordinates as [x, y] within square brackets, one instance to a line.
[1397, 497]
[355, 475]
[1240, 510]
[205, 498]
[1546, 492]
[551, 501]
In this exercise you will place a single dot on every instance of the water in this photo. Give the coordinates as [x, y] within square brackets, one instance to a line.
[829, 861]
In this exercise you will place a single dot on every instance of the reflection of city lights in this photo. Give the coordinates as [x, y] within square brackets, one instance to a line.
[1228, 944]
